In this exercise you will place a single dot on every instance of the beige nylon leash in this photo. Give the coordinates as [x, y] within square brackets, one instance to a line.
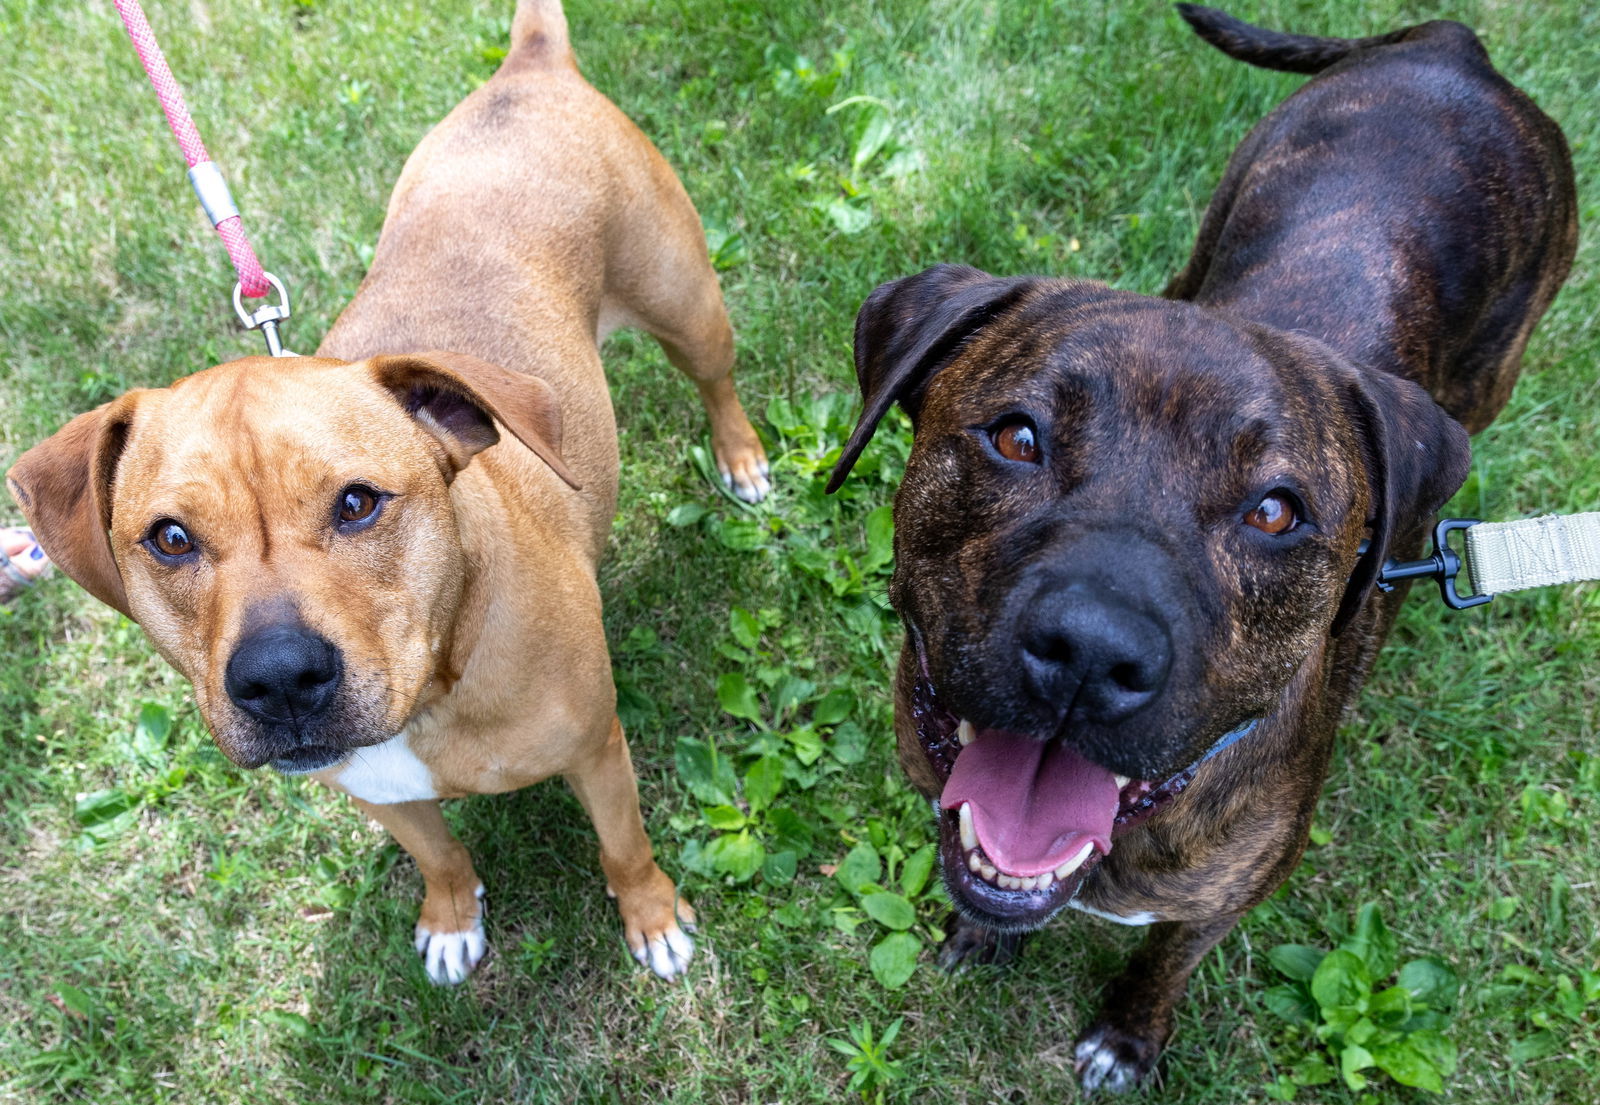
[1547, 551]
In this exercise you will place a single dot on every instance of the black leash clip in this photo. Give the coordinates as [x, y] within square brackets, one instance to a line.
[1443, 564]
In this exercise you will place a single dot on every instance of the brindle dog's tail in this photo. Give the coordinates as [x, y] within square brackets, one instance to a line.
[1274, 49]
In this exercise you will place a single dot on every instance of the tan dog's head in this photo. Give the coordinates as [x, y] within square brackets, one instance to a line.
[283, 530]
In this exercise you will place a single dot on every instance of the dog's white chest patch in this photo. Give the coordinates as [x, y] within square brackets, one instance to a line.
[387, 773]
[1130, 919]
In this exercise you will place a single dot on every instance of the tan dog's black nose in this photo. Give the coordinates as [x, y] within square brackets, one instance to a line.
[284, 674]
[1094, 657]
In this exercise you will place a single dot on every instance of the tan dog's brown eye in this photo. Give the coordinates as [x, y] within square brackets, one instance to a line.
[1274, 514]
[170, 539]
[1015, 441]
[357, 503]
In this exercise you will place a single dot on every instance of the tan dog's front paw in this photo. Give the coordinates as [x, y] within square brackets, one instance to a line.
[665, 945]
[743, 464]
[450, 956]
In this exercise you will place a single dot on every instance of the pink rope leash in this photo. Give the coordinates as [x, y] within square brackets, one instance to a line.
[203, 173]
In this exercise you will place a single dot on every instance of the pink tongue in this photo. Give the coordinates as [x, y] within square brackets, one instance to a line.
[1034, 803]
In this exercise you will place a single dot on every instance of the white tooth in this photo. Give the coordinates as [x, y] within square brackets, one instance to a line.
[1075, 862]
[987, 872]
[964, 733]
[973, 862]
[969, 835]
[1120, 780]
[1046, 879]
[1030, 882]
[1010, 882]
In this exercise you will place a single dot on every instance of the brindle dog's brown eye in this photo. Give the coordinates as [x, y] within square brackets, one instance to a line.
[170, 539]
[1015, 441]
[357, 503]
[1274, 514]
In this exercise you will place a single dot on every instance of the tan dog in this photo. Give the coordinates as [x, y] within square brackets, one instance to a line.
[359, 581]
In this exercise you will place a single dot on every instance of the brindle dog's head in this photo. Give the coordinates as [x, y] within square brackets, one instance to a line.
[283, 531]
[1124, 524]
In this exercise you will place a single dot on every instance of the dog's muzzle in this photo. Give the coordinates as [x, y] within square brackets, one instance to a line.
[285, 679]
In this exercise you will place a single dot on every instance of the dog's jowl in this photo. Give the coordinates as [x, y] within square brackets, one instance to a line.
[1128, 542]
[377, 565]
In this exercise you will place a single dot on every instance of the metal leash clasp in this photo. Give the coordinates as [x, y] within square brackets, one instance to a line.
[1443, 565]
[266, 317]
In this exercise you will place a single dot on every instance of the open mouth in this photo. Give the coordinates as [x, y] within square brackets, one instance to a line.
[1023, 821]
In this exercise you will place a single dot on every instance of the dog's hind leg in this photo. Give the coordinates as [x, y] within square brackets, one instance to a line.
[450, 928]
[1121, 1047]
[705, 355]
[646, 897]
[665, 284]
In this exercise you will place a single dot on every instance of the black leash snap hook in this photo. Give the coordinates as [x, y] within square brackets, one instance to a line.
[1443, 564]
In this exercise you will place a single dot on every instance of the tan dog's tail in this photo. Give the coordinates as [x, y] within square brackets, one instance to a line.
[539, 34]
[1275, 49]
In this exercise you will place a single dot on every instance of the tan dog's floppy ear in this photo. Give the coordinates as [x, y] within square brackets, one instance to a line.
[1417, 457]
[63, 485]
[458, 398]
[908, 330]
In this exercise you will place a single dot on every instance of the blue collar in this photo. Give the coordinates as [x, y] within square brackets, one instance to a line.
[1227, 739]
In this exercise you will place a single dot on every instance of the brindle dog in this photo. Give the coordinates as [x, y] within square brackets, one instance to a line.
[1129, 540]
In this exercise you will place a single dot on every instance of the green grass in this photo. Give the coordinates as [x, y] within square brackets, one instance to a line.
[235, 938]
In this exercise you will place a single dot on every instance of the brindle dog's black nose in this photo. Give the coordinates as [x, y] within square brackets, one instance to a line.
[283, 674]
[1093, 656]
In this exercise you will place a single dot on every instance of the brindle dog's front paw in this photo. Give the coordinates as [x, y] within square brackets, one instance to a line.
[967, 942]
[1107, 1058]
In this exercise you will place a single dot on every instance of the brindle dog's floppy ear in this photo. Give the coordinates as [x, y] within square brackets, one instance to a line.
[1417, 457]
[63, 485]
[458, 398]
[909, 329]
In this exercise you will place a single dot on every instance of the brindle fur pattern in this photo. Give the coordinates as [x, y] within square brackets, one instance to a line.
[1391, 233]
[1152, 459]
[1428, 190]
